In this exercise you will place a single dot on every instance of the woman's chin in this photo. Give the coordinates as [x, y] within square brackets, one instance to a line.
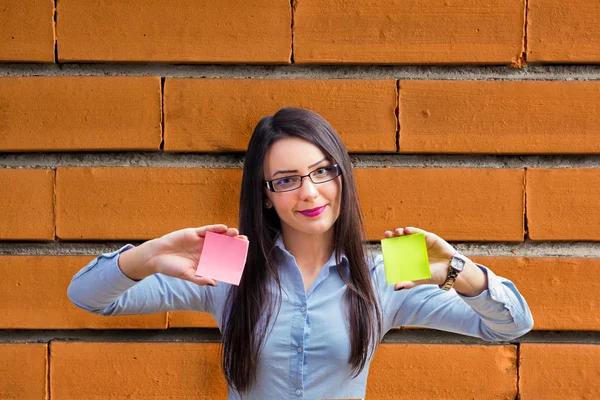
[313, 228]
[317, 229]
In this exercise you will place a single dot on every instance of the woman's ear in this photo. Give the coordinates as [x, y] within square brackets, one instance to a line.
[267, 202]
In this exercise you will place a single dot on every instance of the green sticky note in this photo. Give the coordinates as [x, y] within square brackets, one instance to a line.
[405, 258]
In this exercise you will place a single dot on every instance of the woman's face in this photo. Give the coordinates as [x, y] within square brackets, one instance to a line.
[294, 156]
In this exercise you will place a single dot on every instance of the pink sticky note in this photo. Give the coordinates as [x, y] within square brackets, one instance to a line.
[223, 258]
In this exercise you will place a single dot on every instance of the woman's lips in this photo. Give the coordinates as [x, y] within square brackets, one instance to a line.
[313, 212]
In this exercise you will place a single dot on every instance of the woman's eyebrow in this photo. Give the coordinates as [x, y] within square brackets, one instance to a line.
[287, 171]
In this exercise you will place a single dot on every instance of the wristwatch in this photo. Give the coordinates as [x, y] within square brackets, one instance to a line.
[457, 264]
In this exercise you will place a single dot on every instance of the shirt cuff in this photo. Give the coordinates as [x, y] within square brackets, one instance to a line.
[114, 275]
[99, 282]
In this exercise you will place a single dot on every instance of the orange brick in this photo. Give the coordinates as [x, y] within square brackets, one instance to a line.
[455, 203]
[559, 371]
[361, 111]
[80, 113]
[27, 204]
[23, 371]
[571, 282]
[33, 295]
[191, 319]
[563, 204]
[143, 203]
[408, 32]
[188, 31]
[563, 31]
[499, 117]
[429, 371]
[136, 370]
[27, 31]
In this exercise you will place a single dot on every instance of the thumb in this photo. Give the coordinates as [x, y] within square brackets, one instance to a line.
[218, 228]
[411, 229]
[411, 284]
[198, 280]
[404, 285]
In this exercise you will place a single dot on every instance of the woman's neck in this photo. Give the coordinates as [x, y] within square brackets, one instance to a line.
[310, 251]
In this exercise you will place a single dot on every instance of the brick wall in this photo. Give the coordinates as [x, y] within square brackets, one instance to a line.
[475, 120]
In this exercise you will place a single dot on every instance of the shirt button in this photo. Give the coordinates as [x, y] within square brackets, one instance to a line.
[298, 392]
[299, 349]
[303, 309]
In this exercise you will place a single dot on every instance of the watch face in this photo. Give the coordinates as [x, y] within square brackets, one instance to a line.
[458, 263]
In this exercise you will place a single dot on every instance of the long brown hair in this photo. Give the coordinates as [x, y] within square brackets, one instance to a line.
[244, 332]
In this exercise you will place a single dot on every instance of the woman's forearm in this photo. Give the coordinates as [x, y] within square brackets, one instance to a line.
[472, 281]
[135, 263]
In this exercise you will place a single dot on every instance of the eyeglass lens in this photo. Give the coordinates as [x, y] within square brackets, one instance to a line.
[320, 175]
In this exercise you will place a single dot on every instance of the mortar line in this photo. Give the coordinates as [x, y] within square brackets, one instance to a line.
[521, 60]
[48, 382]
[54, 17]
[518, 365]
[397, 112]
[293, 6]
[525, 222]
[54, 211]
[162, 114]
[525, 27]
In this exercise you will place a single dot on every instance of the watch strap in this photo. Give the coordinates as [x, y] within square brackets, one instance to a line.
[450, 279]
[452, 272]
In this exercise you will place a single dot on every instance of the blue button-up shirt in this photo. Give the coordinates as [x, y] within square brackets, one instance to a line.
[305, 355]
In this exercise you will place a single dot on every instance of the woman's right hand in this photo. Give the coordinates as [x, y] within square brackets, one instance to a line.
[175, 254]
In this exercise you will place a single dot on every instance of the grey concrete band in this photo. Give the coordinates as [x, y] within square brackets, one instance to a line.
[212, 335]
[494, 249]
[219, 160]
[450, 72]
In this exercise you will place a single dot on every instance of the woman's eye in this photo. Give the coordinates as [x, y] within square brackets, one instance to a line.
[283, 181]
[323, 171]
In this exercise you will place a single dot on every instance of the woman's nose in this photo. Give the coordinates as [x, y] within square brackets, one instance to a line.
[308, 190]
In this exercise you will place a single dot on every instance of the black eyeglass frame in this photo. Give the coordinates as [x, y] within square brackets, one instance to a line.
[269, 184]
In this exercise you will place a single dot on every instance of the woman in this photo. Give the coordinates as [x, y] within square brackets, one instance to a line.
[311, 306]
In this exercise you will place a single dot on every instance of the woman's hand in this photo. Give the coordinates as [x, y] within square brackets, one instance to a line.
[470, 282]
[175, 254]
[439, 253]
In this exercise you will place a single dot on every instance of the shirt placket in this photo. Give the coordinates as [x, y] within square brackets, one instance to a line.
[298, 344]
[302, 329]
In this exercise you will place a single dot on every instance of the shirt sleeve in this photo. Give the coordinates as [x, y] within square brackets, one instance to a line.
[499, 313]
[101, 288]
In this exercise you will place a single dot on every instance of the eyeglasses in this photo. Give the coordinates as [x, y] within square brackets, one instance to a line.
[319, 175]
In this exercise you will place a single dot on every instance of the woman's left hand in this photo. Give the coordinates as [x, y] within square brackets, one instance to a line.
[439, 253]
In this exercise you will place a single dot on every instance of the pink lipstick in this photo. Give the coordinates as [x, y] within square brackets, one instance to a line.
[313, 212]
